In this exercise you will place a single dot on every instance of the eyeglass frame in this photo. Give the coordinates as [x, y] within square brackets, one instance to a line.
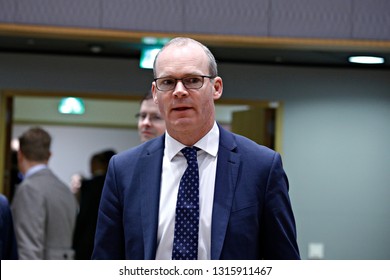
[181, 79]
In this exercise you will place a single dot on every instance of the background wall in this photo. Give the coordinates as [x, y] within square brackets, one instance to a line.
[106, 124]
[72, 147]
[335, 140]
[348, 19]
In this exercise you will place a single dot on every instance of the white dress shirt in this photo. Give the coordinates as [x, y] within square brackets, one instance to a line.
[174, 165]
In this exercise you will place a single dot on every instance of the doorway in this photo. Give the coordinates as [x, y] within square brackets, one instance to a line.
[258, 120]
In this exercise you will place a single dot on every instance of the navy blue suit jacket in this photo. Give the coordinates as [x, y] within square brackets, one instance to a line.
[252, 216]
[8, 246]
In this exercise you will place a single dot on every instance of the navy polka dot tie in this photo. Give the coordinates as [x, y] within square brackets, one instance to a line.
[185, 241]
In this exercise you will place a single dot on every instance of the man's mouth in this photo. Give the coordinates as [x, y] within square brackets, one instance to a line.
[182, 108]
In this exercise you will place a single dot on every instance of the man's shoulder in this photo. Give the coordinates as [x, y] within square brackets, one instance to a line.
[46, 175]
[145, 148]
[42, 181]
[242, 144]
[4, 204]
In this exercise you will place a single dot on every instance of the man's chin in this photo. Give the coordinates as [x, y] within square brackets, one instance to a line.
[146, 137]
[183, 123]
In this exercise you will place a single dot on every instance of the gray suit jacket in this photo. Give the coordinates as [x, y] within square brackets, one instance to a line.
[44, 211]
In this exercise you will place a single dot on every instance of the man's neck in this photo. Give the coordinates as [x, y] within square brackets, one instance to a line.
[34, 169]
[28, 164]
[190, 137]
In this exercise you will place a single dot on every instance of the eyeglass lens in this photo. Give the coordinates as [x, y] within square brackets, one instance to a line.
[193, 82]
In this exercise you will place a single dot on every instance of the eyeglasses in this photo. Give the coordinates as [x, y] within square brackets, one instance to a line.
[152, 117]
[190, 82]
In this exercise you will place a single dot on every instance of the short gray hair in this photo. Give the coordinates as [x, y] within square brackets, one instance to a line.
[183, 41]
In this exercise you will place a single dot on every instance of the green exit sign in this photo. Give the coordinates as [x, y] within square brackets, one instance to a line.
[71, 105]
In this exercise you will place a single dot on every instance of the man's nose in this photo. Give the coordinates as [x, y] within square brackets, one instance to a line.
[147, 120]
[180, 90]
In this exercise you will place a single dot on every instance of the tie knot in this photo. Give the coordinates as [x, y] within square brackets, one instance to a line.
[190, 153]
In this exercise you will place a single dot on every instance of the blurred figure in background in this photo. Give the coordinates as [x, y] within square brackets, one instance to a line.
[16, 175]
[8, 247]
[90, 192]
[150, 125]
[150, 122]
[44, 209]
[75, 185]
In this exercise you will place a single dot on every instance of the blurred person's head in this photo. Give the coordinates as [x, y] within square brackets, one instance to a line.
[150, 122]
[34, 148]
[99, 162]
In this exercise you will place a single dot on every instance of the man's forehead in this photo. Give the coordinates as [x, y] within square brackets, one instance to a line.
[149, 106]
[191, 57]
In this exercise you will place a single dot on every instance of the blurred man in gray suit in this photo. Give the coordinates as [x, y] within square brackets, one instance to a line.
[43, 207]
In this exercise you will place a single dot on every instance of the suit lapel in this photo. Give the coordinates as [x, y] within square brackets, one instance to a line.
[150, 167]
[225, 184]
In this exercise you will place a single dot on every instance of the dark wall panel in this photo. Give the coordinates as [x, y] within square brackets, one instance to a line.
[371, 19]
[145, 15]
[311, 18]
[247, 17]
[330, 19]
[7, 10]
[82, 13]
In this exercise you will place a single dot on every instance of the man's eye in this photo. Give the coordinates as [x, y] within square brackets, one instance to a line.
[155, 118]
[192, 80]
[168, 81]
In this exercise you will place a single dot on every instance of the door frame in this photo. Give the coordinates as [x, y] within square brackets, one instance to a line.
[6, 119]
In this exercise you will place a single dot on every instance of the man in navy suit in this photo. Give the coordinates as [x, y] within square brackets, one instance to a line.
[244, 206]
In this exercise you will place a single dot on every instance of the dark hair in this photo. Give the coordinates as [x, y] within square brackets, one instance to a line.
[107, 154]
[100, 160]
[35, 144]
[147, 96]
[103, 157]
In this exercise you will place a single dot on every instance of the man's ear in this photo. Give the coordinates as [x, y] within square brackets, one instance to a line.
[218, 88]
[154, 93]
[19, 155]
[21, 162]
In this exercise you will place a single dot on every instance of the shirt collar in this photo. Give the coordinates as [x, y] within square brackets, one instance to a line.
[35, 169]
[209, 143]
